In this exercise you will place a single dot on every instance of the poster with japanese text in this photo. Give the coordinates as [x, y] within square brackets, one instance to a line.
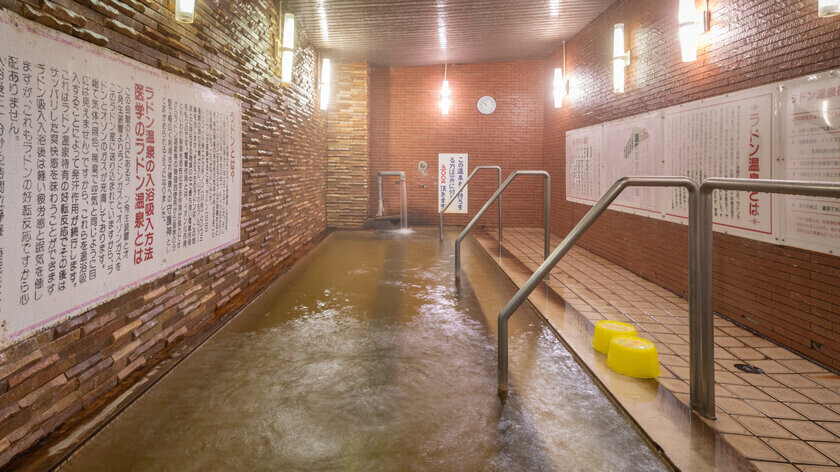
[812, 152]
[583, 158]
[107, 180]
[452, 172]
[633, 147]
[726, 136]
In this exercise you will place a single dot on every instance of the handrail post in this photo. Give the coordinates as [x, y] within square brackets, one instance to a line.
[546, 218]
[497, 195]
[701, 319]
[461, 189]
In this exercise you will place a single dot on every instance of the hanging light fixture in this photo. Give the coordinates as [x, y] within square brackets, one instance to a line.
[621, 58]
[445, 94]
[692, 25]
[185, 11]
[829, 8]
[326, 73]
[288, 57]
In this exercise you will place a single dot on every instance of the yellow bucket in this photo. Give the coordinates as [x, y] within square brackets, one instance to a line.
[633, 356]
[606, 329]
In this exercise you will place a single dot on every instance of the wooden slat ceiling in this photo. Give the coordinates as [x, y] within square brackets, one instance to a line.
[423, 32]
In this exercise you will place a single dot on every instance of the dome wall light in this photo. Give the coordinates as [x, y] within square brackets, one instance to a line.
[288, 48]
[692, 23]
[185, 11]
[829, 8]
[326, 77]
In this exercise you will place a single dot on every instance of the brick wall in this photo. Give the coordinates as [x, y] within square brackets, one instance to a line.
[49, 377]
[347, 147]
[407, 127]
[789, 295]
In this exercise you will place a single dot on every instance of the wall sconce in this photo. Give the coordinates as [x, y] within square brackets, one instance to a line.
[829, 8]
[692, 25]
[445, 94]
[559, 87]
[326, 73]
[288, 48]
[621, 58]
[185, 11]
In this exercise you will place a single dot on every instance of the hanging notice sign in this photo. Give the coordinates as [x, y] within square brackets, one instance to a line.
[583, 158]
[812, 152]
[633, 147]
[107, 180]
[452, 172]
[727, 136]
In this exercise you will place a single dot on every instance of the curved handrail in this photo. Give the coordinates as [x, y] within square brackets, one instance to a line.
[572, 238]
[498, 194]
[701, 314]
[463, 186]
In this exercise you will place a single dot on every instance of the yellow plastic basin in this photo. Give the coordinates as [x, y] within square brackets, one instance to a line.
[633, 356]
[605, 330]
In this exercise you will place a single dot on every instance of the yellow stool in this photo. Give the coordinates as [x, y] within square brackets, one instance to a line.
[605, 330]
[634, 357]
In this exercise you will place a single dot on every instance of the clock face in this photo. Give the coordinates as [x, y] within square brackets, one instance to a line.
[486, 104]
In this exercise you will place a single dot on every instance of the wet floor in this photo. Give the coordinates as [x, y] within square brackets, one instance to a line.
[368, 356]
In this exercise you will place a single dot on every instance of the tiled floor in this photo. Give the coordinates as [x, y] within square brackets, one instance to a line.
[786, 419]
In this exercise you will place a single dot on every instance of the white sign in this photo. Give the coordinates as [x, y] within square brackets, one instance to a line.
[112, 173]
[633, 147]
[452, 172]
[812, 151]
[583, 158]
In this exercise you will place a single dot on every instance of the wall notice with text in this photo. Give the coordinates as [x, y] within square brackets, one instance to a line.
[107, 180]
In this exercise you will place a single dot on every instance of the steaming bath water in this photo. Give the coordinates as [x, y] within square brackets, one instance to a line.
[367, 356]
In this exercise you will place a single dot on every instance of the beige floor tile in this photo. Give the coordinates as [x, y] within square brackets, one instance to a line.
[802, 366]
[795, 380]
[760, 380]
[831, 449]
[821, 395]
[748, 392]
[778, 353]
[745, 353]
[834, 427]
[725, 424]
[772, 367]
[763, 426]
[774, 467]
[815, 412]
[807, 430]
[798, 451]
[752, 448]
[785, 394]
[817, 468]
[775, 409]
[736, 406]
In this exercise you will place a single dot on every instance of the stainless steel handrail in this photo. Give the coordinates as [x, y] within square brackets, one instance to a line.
[463, 186]
[701, 313]
[572, 238]
[380, 210]
[497, 195]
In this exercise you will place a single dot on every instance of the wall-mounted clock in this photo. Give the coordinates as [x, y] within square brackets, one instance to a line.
[486, 104]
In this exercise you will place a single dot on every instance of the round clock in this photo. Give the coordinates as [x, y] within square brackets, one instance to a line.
[486, 104]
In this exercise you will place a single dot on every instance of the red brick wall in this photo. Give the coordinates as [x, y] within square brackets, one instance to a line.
[47, 378]
[407, 127]
[789, 295]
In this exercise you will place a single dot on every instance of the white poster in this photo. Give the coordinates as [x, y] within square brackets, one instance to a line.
[583, 158]
[112, 173]
[727, 136]
[633, 147]
[452, 172]
[812, 152]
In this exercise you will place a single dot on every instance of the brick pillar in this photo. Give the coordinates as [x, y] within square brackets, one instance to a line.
[348, 156]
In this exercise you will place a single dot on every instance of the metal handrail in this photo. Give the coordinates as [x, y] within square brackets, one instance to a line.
[572, 238]
[497, 195]
[701, 321]
[380, 210]
[463, 186]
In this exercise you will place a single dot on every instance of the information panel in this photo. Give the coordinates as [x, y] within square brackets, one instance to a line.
[452, 172]
[583, 159]
[633, 147]
[812, 152]
[107, 180]
[727, 136]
